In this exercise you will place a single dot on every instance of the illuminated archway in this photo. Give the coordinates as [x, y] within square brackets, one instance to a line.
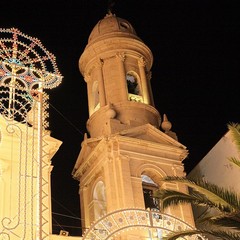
[124, 219]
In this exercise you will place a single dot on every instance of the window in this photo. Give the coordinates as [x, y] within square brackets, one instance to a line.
[149, 186]
[132, 84]
[124, 26]
[99, 198]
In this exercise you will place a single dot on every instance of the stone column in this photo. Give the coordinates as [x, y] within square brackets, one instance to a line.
[87, 78]
[122, 76]
[102, 98]
[149, 77]
[85, 213]
[145, 89]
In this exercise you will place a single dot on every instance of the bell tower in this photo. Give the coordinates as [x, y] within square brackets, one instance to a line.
[116, 66]
[123, 161]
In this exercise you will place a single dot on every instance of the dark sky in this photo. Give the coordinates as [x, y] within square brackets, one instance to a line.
[195, 75]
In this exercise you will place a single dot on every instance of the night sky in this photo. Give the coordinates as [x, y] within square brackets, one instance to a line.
[195, 74]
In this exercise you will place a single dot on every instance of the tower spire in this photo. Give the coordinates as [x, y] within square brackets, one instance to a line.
[111, 4]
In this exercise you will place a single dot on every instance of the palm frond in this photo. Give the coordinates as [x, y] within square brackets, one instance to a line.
[226, 222]
[224, 235]
[176, 235]
[172, 197]
[235, 161]
[235, 131]
[231, 222]
[224, 198]
[218, 234]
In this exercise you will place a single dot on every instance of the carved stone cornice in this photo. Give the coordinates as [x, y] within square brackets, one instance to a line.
[87, 77]
[141, 62]
[98, 63]
[149, 75]
[121, 56]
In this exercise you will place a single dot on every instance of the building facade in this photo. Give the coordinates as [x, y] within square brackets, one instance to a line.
[219, 156]
[216, 168]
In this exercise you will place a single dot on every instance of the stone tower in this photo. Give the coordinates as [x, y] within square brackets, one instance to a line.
[123, 161]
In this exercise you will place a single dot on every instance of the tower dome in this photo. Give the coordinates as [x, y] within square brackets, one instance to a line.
[110, 25]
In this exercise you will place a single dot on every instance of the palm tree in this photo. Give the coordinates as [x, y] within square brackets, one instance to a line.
[224, 221]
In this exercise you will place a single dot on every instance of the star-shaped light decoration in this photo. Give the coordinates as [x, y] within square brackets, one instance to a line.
[26, 69]
[26, 59]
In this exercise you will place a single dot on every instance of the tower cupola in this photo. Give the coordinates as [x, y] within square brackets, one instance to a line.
[112, 25]
[116, 65]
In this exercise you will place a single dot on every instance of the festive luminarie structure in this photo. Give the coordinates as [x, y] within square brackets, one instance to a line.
[26, 147]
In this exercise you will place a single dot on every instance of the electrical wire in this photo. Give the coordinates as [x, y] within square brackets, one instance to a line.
[57, 224]
[68, 226]
[64, 215]
[65, 118]
[65, 208]
[59, 214]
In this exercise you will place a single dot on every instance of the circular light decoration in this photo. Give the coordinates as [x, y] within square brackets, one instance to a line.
[27, 68]
[25, 58]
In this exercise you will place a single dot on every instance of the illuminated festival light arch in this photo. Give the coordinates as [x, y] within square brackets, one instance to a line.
[126, 219]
